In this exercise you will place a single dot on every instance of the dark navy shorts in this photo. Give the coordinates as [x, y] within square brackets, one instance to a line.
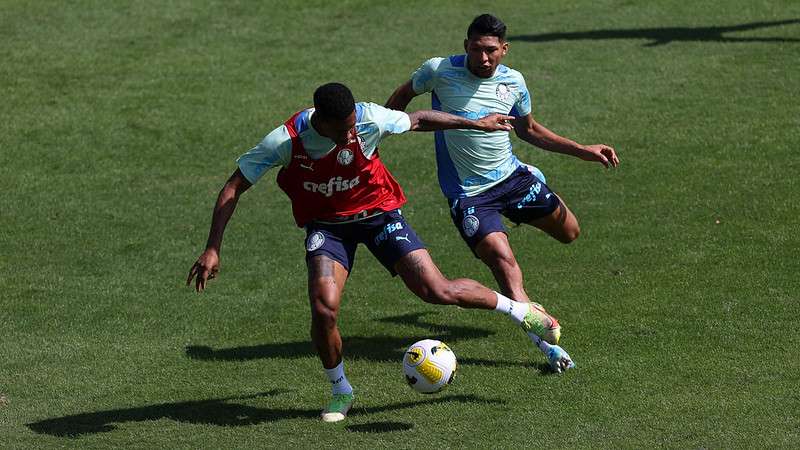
[388, 236]
[522, 197]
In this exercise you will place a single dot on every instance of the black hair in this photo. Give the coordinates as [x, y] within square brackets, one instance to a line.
[487, 25]
[334, 101]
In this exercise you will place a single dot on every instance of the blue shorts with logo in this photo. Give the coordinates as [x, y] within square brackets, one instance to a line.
[388, 236]
[522, 197]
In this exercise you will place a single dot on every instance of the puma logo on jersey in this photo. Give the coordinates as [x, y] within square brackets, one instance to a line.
[402, 238]
[335, 184]
[307, 167]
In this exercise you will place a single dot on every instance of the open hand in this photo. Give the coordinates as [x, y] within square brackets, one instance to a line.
[205, 268]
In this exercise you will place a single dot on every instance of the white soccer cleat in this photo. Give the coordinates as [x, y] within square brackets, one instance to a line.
[558, 359]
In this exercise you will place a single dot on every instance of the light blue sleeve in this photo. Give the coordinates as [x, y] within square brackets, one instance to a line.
[274, 150]
[424, 79]
[523, 103]
[377, 122]
[388, 121]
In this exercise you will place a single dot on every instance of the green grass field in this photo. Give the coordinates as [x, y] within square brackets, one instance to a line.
[119, 122]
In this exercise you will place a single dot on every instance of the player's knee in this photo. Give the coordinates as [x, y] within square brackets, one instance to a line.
[501, 259]
[570, 234]
[323, 315]
[439, 293]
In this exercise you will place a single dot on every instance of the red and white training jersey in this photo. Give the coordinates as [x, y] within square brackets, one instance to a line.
[341, 183]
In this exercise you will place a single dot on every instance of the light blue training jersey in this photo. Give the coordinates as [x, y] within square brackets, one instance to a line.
[471, 161]
[373, 123]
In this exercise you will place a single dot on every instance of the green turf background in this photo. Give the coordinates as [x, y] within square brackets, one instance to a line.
[119, 122]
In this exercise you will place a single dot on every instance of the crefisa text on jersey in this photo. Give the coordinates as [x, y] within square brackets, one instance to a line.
[335, 184]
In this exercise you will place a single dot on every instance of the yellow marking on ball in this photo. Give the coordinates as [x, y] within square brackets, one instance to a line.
[430, 371]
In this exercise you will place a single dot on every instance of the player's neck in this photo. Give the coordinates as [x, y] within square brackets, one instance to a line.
[314, 121]
[315, 125]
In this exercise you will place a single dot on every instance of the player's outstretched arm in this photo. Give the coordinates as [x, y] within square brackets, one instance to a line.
[535, 133]
[429, 120]
[401, 97]
[207, 265]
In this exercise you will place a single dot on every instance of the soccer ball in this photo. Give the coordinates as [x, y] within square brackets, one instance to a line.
[429, 366]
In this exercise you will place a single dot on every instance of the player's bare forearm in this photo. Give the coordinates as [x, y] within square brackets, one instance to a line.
[538, 135]
[223, 210]
[207, 265]
[401, 97]
[429, 120]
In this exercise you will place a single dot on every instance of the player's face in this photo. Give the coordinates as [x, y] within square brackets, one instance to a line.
[339, 131]
[484, 54]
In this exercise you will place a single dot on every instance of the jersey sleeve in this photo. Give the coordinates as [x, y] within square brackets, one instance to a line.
[377, 122]
[522, 107]
[388, 121]
[274, 150]
[424, 79]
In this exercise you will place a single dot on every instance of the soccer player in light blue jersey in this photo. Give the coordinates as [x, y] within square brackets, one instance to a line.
[478, 172]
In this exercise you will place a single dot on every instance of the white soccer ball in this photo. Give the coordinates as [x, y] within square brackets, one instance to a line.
[429, 366]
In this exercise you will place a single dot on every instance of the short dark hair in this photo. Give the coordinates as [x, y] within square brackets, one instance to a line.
[487, 25]
[334, 101]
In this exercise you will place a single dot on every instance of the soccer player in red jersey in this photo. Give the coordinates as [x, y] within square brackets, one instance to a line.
[343, 195]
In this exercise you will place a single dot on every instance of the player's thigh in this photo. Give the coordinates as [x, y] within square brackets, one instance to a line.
[326, 280]
[494, 249]
[560, 224]
[420, 274]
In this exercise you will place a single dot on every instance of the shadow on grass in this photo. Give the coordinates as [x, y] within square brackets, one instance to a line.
[379, 427]
[374, 348]
[666, 35]
[222, 412]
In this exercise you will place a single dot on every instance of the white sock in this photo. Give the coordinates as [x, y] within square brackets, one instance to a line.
[542, 344]
[338, 380]
[515, 310]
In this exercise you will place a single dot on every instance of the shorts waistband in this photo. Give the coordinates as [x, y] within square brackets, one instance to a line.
[361, 215]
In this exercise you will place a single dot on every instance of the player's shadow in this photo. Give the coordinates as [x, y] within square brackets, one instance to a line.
[380, 348]
[379, 427]
[224, 412]
[667, 35]
[374, 348]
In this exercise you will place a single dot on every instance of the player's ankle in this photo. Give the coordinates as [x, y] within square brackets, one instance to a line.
[514, 309]
[339, 382]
